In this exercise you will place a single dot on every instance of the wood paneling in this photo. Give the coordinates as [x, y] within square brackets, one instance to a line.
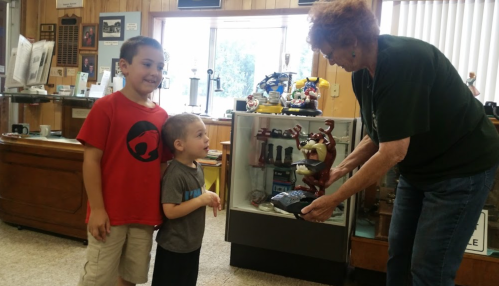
[218, 131]
[30, 27]
[258, 4]
[156, 5]
[247, 4]
[232, 5]
[270, 4]
[345, 105]
[282, 4]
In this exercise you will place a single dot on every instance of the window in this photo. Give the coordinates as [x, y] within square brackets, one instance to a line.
[466, 31]
[240, 50]
[186, 40]
[243, 57]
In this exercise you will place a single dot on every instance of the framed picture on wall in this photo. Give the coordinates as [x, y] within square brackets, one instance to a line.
[88, 37]
[115, 67]
[112, 28]
[89, 64]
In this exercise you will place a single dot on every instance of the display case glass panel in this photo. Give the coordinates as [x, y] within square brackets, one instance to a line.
[262, 147]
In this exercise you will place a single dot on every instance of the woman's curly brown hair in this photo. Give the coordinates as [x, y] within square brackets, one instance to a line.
[341, 22]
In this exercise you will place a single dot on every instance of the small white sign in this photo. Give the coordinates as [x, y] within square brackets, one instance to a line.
[57, 72]
[132, 26]
[478, 241]
[80, 113]
[64, 4]
[103, 69]
[70, 72]
[110, 43]
[2, 68]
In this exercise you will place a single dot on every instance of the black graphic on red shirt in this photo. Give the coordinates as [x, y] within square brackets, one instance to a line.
[143, 141]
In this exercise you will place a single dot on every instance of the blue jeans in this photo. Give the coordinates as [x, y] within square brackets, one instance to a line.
[431, 226]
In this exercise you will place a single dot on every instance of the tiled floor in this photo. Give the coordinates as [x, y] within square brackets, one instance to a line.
[34, 258]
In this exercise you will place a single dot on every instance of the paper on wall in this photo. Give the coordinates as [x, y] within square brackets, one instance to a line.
[106, 75]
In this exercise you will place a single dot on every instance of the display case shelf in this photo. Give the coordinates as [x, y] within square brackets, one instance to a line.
[338, 140]
[337, 218]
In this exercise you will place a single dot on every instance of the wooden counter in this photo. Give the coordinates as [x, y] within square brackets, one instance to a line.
[41, 185]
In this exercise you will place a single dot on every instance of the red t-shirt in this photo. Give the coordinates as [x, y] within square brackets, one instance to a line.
[129, 135]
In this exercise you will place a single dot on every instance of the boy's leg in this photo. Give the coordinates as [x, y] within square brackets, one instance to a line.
[134, 264]
[450, 212]
[167, 268]
[192, 268]
[405, 216]
[101, 267]
[175, 269]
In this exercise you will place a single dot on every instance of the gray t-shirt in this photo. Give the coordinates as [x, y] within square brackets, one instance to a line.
[180, 184]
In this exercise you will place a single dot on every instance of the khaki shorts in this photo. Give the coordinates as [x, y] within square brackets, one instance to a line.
[126, 252]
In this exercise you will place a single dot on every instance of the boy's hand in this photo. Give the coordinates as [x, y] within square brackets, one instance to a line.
[211, 199]
[98, 224]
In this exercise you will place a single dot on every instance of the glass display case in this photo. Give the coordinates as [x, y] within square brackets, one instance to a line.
[264, 237]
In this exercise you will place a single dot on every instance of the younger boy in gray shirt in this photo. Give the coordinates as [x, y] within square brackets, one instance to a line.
[184, 200]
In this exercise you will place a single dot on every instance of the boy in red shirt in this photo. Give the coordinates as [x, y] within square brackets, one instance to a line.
[122, 169]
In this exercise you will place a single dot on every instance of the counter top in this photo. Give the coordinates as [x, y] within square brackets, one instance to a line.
[46, 142]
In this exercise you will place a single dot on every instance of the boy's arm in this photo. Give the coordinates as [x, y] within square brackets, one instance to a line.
[173, 211]
[98, 222]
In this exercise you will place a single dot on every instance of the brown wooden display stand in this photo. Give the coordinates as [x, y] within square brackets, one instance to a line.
[41, 185]
[475, 270]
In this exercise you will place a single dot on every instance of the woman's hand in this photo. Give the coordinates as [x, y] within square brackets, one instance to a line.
[320, 209]
[334, 175]
[99, 225]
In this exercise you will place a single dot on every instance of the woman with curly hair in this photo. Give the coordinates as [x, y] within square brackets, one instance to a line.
[420, 116]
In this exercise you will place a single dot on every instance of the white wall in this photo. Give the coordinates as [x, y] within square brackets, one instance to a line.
[13, 30]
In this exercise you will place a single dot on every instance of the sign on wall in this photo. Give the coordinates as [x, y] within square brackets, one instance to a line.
[193, 4]
[478, 241]
[306, 2]
[64, 4]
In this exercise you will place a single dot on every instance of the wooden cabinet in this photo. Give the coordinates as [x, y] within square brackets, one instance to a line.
[41, 186]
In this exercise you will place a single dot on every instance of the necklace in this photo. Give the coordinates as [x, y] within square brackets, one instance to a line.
[370, 87]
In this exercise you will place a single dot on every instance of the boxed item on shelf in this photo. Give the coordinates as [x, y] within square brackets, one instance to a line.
[279, 187]
[283, 175]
